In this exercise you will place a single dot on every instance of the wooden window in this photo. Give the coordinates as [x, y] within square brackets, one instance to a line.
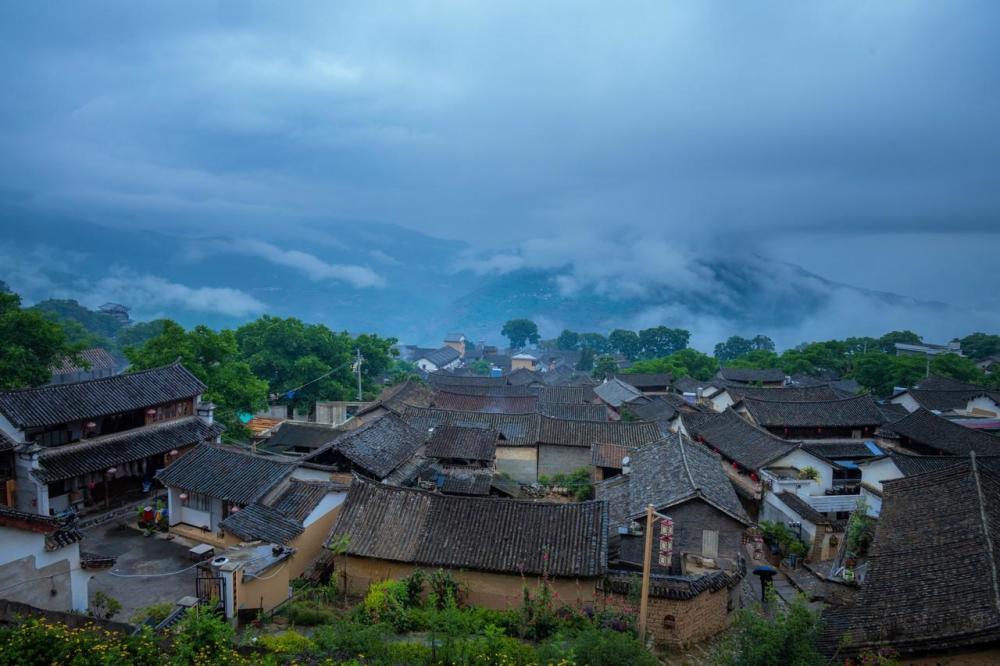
[709, 543]
[669, 622]
[199, 502]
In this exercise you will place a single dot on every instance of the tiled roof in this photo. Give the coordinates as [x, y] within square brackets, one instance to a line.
[524, 377]
[64, 403]
[377, 447]
[937, 432]
[301, 435]
[691, 385]
[264, 523]
[57, 533]
[892, 412]
[442, 357]
[226, 473]
[279, 520]
[804, 510]
[932, 582]
[448, 441]
[846, 412]
[440, 379]
[585, 433]
[498, 391]
[943, 400]
[647, 380]
[941, 383]
[484, 403]
[616, 393]
[497, 535]
[856, 449]
[785, 394]
[675, 471]
[96, 358]
[572, 412]
[396, 398]
[608, 455]
[6, 443]
[566, 394]
[99, 453]
[748, 375]
[463, 480]
[736, 438]
[517, 429]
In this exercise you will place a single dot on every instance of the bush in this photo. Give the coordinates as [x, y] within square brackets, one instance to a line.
[204, 638]
[307, 614]
[36, 641]
[789, 638]
[287, 642]
[385, 603]
[597, 647]
[153, 614]
[347, 639]
[104, 606]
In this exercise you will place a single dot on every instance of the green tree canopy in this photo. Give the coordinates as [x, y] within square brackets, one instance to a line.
[99, 323]
[626, 343]
[214, 358]
[737, 346]
[604, 366]
[568, 340]
[137, 334]
[586, 362]
[888, 341]
[980, 345]
[31, 344]
[595, 341]
[662, 341]
[520, 332]
[684, 363]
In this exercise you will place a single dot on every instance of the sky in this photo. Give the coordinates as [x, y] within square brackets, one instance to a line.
[860, 140]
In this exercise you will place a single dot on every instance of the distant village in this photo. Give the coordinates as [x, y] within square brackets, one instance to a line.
[676, 499]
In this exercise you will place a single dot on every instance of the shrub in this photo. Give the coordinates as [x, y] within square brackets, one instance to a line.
[306, 614]
[596, 647]
[204, 638]
[104, 606]
[288, 642]
[386, 603]
[36, 641]
[153, 614]
[789, 637]
[348, 639]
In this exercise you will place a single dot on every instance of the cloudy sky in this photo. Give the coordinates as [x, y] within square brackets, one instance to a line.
[858, 139]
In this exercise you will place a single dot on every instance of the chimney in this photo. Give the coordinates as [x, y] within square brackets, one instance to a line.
[206, 410]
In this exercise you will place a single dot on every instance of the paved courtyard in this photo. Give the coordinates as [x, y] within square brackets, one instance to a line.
[145, 557]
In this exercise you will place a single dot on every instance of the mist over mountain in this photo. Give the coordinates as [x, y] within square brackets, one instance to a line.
[400, 282]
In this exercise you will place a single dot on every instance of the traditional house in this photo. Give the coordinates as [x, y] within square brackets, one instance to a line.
[927, 433]
[40, 562]
[727, 396]
[751, 376]
[855, 417]
[298, 438]
[443, 379]
[444, 358]
[617, 394]
[565, 446]
[698, 567]
[494, 404]
[697, 388]
[458, 342]
[84, 445]
[96, 363]
[574, 412]
[462, 459]
[945, 395]
[523, 361]
[489, 545]
[931, 586]
[650, 383]
[374, 450]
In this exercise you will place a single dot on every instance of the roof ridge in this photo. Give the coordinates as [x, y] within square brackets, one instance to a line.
[56, 451]
[49, 387]
[809, 402]
[687, 468]
[984, 523]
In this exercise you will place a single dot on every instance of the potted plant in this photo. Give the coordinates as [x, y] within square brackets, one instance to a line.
[809, 474]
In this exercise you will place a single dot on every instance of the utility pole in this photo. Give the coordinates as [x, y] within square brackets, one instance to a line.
[647, 564]
[357, 370]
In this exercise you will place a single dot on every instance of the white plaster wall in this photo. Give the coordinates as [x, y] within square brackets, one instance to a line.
[325, 506]
[18, 544]
[777, 511]
[875, 472]
[801, 459]
[907, 401]
[722, 401]
[983, 404]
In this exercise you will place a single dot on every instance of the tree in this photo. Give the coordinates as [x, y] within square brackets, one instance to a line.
[957, 367]
[684, 363]
[662, 341]
[520, 332]
[881, 373]
[586, 362]
[737, 346]
[138, 333]
[756, 358]
[787, 638]
[479, 367]
[595, 341]
[980, 345]
[625, 343]
[605, 366]
[888, 341]
[31, 344]
[99, 323]
[214, 358]
[568, 340]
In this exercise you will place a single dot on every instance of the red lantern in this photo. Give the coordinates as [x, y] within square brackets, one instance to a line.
[151, 412]
[91, 425]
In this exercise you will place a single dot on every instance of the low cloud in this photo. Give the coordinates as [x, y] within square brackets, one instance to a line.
[144, 292]
[314, 267]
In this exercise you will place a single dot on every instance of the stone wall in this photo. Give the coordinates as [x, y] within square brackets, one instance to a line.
[680, 622]
[554, 460]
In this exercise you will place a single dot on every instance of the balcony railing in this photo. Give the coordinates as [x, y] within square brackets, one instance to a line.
[832, 503]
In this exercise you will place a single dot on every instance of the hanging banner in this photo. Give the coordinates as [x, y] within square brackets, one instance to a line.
[666, 539]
